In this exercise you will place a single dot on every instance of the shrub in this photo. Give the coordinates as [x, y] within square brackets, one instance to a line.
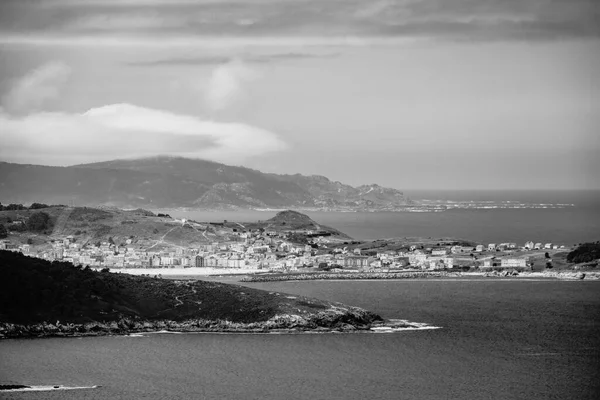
[39, 221]
[37, 206]
[586, 252]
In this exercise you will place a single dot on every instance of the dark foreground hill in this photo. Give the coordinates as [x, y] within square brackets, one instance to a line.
[39, 298]
[168, 182]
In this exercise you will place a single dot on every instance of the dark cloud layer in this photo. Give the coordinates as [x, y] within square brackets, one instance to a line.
[451, 19]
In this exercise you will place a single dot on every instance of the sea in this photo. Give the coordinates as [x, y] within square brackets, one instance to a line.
[559, 217]
[497, 339]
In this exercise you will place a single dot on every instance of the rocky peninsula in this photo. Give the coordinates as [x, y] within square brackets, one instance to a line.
[41, 299]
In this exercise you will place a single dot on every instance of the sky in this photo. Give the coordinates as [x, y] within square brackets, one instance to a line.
[411, 94]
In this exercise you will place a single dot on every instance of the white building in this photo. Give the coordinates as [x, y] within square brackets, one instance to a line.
[513, 263]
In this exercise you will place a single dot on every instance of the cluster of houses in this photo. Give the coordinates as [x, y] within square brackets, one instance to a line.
[540, 246]
[271, 251]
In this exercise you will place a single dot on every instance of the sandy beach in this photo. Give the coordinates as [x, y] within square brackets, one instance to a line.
[184, 271]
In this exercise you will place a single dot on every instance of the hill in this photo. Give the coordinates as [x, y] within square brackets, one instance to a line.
[146, 230]
[90, 225]
[289, 220]
[39, 298]
[169, 182]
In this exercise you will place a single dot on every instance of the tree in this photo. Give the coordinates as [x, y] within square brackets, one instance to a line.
[3, 232]
[38, 221]
[14, 207]
[584, 253]
[37, 206]
[547, 255]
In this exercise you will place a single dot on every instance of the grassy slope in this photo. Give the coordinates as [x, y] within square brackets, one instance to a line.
[89, 224]
[293, 220]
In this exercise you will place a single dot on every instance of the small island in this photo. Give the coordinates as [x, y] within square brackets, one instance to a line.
[39, 298]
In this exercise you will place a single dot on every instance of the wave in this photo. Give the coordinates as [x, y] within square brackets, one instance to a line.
[390, 326]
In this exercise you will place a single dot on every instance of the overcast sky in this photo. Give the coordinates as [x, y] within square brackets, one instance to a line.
[413, 94]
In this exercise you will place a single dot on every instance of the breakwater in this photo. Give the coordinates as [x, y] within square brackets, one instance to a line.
[349, 276]
[563, 275]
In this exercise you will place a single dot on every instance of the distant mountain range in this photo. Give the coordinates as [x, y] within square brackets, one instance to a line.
[173, 182]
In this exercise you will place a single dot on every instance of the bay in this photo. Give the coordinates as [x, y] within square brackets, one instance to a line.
[500, 339]
[576, 223]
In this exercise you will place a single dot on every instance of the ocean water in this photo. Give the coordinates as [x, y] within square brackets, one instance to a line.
[500, 339]
[569, 225]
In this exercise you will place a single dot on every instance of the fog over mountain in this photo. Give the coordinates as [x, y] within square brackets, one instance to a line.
[163, 182]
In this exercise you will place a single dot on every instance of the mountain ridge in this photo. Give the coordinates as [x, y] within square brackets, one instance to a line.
[178, 182]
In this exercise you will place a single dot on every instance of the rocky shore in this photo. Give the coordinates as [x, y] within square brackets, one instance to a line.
[566, 275]
[344, 276]
[334, 319]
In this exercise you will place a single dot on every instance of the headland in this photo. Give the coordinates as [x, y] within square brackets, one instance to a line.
[41, 299]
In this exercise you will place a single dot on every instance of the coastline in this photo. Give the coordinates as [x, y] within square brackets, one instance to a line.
[250, 275]
[425, 275]
[204, 271]
[351, 320]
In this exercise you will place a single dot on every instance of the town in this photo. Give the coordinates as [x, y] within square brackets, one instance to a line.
[260, 250]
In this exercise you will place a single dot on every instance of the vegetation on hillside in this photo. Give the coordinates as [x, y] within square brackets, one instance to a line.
[39, 221]
[586, 252]
[34, 291]
[289, 220]
[34, 206]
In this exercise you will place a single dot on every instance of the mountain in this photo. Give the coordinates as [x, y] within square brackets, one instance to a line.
[166, 182]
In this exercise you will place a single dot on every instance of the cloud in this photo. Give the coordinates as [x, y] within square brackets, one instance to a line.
[281, 22]
[226, 84]
[171, 41]
[133, 22]
[37, 87]
[124, 131]
[223, 59]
